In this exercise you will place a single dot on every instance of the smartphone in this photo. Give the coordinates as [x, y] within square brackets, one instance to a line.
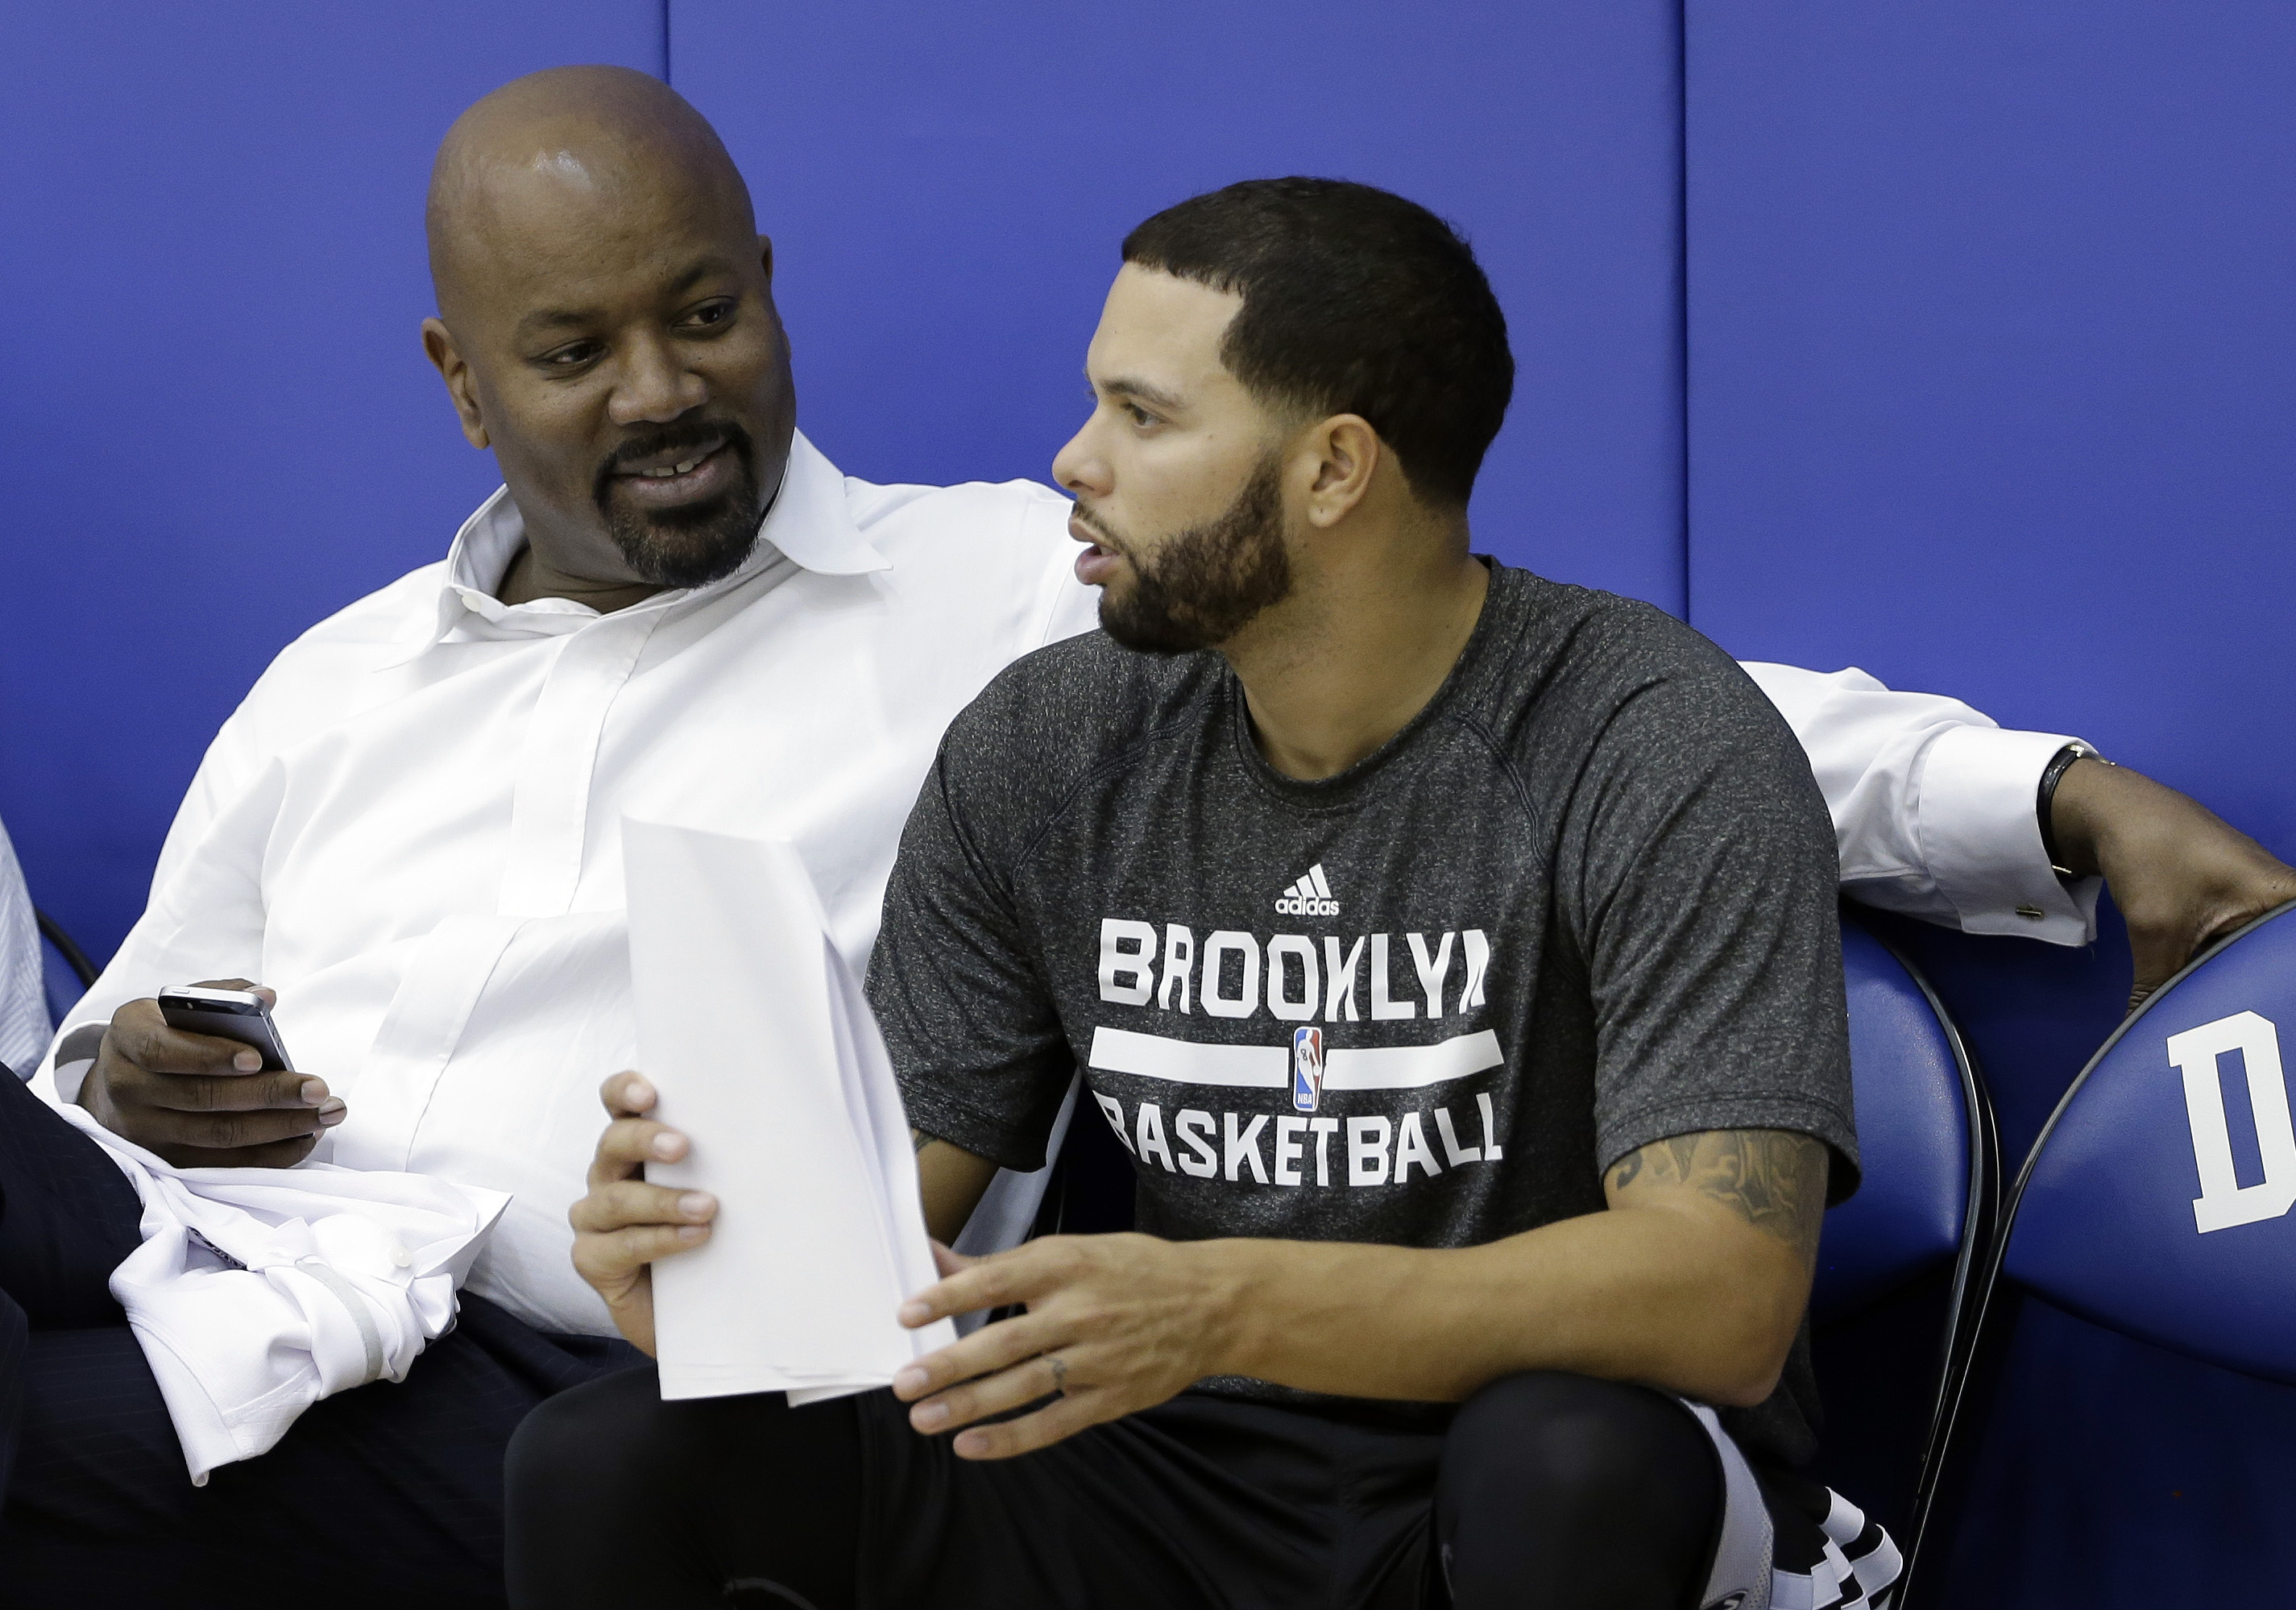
[237, 1014]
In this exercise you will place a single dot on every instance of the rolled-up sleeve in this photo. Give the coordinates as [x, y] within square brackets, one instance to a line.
[1932, 805]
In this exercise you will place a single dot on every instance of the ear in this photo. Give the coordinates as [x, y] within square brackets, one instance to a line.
[445, 356]
[1346, 452]
[766, 256]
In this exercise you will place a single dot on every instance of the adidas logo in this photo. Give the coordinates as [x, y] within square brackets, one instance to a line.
[1311, 896]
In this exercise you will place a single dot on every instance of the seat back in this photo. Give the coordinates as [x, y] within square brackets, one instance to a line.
[2155, 1207]
[2157, 1201]
[1922, 1135]
[1896, 1261]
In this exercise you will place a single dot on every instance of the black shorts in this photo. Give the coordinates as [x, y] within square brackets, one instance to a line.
[617, 1498]
[1200, 1501]
[1210, 1500]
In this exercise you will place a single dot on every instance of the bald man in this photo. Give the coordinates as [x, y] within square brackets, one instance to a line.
[676, 608]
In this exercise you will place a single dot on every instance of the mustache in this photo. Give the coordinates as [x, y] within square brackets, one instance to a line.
[1098, 527]
[707, 435]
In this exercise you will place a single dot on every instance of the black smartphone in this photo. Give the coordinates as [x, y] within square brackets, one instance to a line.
[237, 1014]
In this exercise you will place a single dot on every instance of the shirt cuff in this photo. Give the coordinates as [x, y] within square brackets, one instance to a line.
[69, 1077]
[1980, 836]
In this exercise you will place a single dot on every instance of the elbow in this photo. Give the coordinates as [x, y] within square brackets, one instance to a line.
[1744, 1353]
[1749, 1384]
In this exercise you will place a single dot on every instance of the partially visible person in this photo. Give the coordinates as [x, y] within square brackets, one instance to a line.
[24, 1024]
[1941, 815]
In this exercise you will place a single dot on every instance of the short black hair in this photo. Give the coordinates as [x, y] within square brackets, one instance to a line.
[1355, 302]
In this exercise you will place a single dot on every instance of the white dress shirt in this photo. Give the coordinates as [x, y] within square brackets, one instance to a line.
[410, 828]
[1934, 807]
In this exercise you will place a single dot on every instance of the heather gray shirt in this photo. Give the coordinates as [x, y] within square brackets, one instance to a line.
[1584, 901]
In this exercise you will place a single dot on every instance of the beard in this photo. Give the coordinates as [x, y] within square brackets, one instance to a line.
[1207, 583]
[700, 543]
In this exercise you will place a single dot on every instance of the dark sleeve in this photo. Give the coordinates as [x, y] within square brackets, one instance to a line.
[966, 1013]
[1708, 924]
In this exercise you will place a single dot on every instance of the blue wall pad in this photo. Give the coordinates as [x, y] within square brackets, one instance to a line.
[1993, 379]
[947, 187]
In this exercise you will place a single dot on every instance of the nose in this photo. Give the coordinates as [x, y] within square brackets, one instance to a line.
[655, 387]
[1081, 468]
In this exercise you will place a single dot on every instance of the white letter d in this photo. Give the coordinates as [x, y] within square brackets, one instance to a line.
[2223, 1202]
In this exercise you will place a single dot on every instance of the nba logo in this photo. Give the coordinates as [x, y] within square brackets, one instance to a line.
[1306, 1069]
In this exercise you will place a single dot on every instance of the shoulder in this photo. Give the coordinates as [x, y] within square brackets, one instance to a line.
[1063, 715]
[309, 681]
[385, 619]
[998, 554]
[1017, 520]
[1610, 667]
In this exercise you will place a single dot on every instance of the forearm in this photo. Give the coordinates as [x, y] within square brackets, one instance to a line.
[1672, 1299]
[952, 1181]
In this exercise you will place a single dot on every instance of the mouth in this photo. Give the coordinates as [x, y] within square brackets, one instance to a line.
[679, 475]
[1097, 565]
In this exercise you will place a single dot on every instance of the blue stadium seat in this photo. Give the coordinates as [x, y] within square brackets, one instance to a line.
[2156, 1205]
[1922, 1135]
[1897, 1260]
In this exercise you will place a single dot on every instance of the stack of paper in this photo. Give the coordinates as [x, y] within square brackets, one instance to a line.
[767, 1058]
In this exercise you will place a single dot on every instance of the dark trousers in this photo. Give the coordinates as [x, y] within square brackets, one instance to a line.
[390, 1494]
[1543, 1490]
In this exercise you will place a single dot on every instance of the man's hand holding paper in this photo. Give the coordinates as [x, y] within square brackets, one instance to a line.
[625, 1223]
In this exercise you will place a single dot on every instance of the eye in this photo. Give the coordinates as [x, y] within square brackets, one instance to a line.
[710, 315]
[1141, 416]
[573, 355]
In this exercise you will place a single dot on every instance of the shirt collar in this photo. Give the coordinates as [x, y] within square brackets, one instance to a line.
[809, 522]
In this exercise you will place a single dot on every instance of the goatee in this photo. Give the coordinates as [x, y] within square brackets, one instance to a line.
[701, 542]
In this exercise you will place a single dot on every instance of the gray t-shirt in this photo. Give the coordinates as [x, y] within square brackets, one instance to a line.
[1584, 901]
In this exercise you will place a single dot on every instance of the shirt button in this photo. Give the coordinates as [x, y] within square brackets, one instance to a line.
[400, 1258]
[2031, 914]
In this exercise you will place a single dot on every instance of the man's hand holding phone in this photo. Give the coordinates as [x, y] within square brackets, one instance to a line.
[201, 1100]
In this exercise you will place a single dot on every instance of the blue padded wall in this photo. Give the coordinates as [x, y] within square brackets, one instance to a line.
[947, 187]
[1994, 372]
[1993, 391]
[218, 425]
[217, 248]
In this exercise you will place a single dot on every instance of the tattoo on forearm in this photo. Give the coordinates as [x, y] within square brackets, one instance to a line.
[1774, 1179]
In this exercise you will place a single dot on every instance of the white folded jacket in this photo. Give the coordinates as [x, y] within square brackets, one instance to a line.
[258, 1291]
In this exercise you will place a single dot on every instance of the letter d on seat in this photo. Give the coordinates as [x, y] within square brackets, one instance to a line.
[2223, 1202]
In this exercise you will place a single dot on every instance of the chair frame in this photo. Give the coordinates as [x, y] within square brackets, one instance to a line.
[1981, 1212]
[66, 947]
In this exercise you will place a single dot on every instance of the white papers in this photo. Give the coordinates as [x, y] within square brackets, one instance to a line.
[768, 1060]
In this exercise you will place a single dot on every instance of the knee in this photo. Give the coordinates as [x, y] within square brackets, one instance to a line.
[1564, 1442]
[588, 1444]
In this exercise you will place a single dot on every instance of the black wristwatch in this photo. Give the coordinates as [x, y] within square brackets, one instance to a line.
[2045, 797]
